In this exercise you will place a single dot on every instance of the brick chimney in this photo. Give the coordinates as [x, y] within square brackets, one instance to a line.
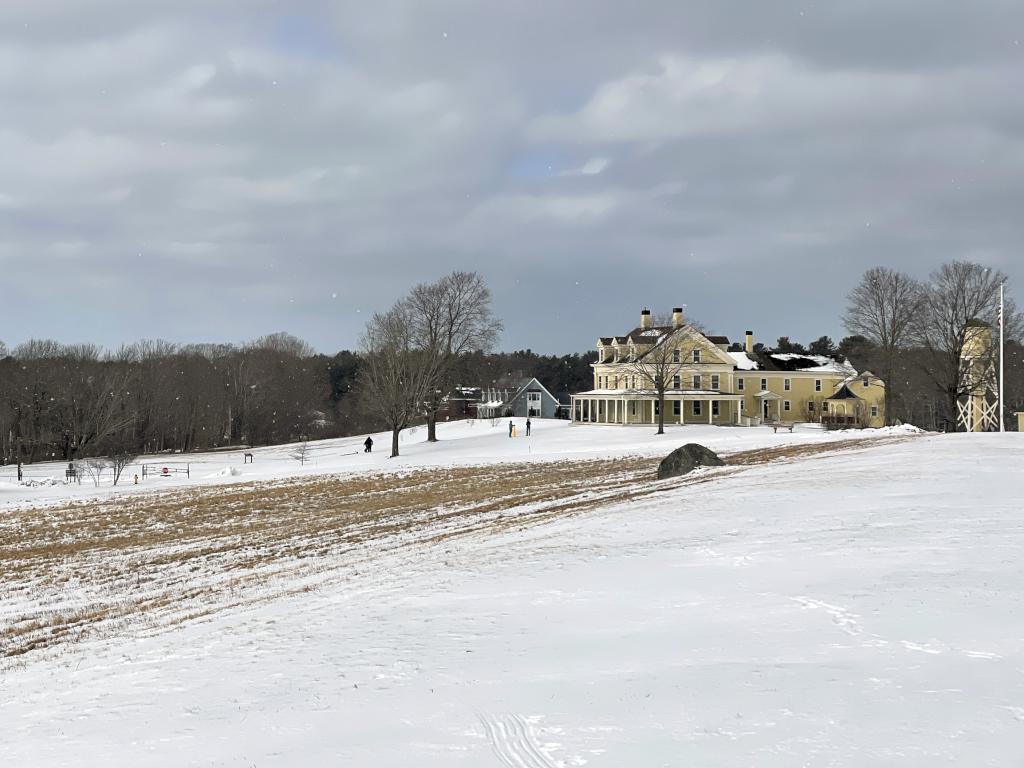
[677, 317]
[750, 343]
[645, 319]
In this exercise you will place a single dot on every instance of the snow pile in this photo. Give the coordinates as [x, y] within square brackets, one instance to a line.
[226, 472]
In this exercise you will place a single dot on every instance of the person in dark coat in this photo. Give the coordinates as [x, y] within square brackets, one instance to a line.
[527, 427]
[368, 444]
[511, 426]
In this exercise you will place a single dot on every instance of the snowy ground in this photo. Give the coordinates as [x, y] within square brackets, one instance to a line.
[463, 443]
[853, 607]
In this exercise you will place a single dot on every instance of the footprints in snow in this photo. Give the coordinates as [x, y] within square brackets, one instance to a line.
[850, 624]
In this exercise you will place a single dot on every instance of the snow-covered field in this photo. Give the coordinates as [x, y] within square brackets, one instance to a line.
[463, 443]
[496, 602]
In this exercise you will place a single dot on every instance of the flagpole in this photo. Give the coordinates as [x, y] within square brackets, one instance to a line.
[1002, 322]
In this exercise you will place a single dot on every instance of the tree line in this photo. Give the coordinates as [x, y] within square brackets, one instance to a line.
[76, 401]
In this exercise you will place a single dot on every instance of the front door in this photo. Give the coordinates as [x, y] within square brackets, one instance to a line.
[764, 409]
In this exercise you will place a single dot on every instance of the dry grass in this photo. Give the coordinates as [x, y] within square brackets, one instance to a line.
[148, 562]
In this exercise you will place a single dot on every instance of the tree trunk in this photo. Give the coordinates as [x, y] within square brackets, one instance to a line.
[661, 413]
[394, 442]
[432, 427]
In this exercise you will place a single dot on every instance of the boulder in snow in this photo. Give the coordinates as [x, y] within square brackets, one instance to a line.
[684, 460]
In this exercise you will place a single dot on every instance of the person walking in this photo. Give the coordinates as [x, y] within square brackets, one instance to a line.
[527, 427]
[368, 444]
[511, 427]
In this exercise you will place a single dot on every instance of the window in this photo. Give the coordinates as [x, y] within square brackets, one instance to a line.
[632, 407]
[810, 407]
[764, 384]
[676, 381]
[743, 405]
[632, 353]
[714, 407]
[616, 382]
[676, 408]
[600, 354]
[696, 381]
[824, 407]
[657, 407]
[675, 355]
[874, 411]
[696, 355]
[715, 381]
[817, 385]
[785, 405]
[865, 381]
[739, 385]
[787, 384]
[696, 407]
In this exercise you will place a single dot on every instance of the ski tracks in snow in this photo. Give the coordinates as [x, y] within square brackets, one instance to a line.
[514, 742]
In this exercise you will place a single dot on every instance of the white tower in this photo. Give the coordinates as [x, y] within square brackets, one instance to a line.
[978, 406]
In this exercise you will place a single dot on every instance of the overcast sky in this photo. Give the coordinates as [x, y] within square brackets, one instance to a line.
[213, 170]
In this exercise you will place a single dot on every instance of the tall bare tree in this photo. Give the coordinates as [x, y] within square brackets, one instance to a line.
[451, 318]
[883, 308]
[397, 372]
[961, 299]
[666, 358]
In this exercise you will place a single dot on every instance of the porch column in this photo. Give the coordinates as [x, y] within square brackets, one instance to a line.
[682, 411]
[709, 411]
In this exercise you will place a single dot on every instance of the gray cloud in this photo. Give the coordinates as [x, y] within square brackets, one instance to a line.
[188, 171]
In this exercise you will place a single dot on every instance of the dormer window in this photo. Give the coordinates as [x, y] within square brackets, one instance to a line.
[600, 354]
[696, 355]
[675, 355]
[632, 353]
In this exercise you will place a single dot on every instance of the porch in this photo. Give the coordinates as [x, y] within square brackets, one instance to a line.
[632, 407]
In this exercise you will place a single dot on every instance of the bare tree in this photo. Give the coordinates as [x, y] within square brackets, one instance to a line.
[659, 364]
[396, 372]
[961, 304]
[118, 463]
[882, 309]
[451, 318]
[301, 451]
[94, 468]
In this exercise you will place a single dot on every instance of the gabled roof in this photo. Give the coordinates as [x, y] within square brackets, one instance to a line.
[844, 393]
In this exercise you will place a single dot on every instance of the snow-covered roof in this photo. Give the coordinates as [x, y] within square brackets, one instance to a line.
[743, 362]
[821, 363]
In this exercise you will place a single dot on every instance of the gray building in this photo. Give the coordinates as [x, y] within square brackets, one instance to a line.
[521, 398]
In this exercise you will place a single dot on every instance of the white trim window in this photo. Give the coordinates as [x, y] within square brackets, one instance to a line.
[677, 381]
[696, 381]
[696, 355]
[874, 411]
[677, 408]
[739, 385]
[810, 406]
[865, 382]
[817, 385]
[764, 385]
[787, 384]
[716, 382]
[743, 406]
[714, 408]
[785, 405]
[600, 354]
[676, 356]
[696, 407]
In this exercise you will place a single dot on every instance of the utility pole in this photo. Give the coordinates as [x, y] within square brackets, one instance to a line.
[1002, 420]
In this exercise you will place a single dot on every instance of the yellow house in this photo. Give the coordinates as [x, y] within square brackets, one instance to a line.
[706, 383]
